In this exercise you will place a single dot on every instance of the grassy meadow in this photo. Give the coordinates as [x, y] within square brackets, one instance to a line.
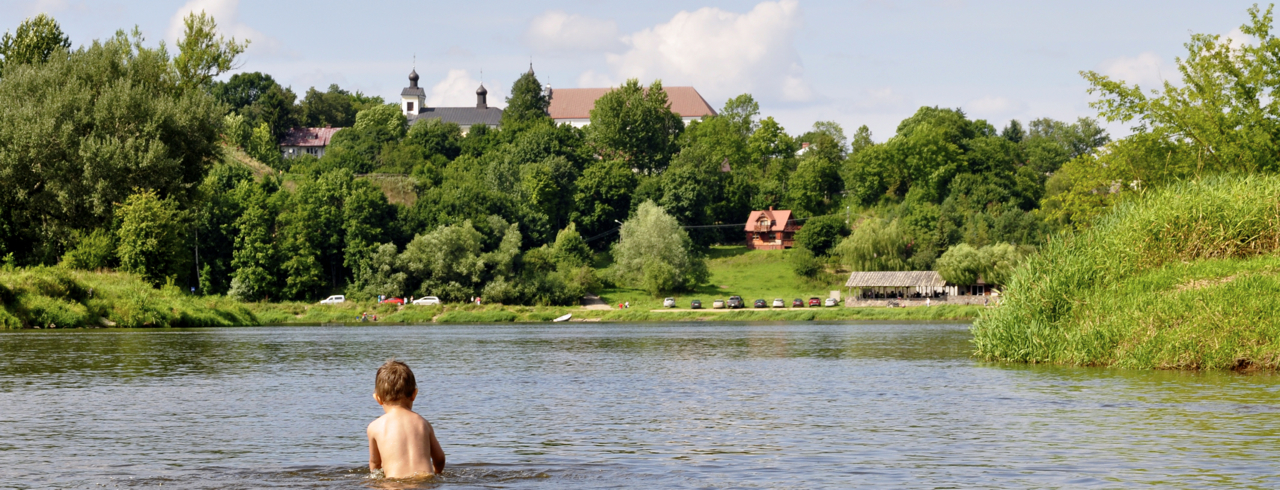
[1184, 278]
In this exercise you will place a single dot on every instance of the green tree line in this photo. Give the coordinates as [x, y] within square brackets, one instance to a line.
[115, 155]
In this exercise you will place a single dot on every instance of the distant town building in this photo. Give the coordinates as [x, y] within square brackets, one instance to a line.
[413, 102]
[771, 230]
[573, 105]
[306, 141]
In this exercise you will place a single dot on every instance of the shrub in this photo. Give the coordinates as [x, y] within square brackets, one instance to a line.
[820, 234]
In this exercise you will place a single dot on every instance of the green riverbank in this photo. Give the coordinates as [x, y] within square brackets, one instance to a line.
[64, 298]
[1186, 278]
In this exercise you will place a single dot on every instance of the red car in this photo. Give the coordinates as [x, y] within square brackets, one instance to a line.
[393, 301]
[815, 302]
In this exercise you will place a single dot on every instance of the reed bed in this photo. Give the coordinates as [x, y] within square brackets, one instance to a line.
[1183, 278]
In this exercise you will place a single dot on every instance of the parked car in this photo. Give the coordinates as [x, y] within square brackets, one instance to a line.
[427, 301]
[696, 304]
[829, 302]
[669, 302]
[717, 304]
[736, 302]
[393, 301]
[760, 303]
[797, 303]
[779, 303]
[333, 300]
[815, 301]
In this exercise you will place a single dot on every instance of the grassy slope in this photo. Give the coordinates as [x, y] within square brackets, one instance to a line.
[1183, 279]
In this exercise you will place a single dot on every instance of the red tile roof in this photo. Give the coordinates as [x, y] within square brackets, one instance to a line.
[308, 137]
[576, 103]
[777, 219]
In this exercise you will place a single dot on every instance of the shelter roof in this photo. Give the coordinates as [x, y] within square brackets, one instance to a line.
[576, 103]
[308, 137]
[778, 219]
[895, 279]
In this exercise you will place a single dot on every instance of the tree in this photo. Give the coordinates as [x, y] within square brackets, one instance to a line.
[875, 245]
[243, 89]
[656, 254]
[826, 140]
[150, 238]
[446, 262]
[35, 41]
[820, 234]
[201, 55]
[861, 140]
[570, 249]
[254, 259]
[527, 104]
[741, 112]
[961, 264]
[636, 125]
[80, 132]
[603, 196]
[1224, 110]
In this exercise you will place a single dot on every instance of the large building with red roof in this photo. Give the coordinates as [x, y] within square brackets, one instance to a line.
[573, 105]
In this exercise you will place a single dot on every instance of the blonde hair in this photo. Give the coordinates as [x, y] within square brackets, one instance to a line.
[394, 382]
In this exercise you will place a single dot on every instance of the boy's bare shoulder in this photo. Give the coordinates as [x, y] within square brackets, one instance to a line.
[376, 425]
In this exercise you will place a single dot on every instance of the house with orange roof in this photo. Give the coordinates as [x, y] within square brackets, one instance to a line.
[771, 230]
[573, 105]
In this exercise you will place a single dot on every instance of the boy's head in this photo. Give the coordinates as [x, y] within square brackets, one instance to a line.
[395, 383]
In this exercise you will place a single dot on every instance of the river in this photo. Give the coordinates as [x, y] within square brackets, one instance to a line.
[700, 405]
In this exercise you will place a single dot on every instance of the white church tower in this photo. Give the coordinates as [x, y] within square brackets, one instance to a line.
[412, 97]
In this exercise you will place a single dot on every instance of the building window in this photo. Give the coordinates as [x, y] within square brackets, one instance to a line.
[408, 106]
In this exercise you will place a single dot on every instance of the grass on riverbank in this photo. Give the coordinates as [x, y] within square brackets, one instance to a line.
[736, 270]
[1186, 278]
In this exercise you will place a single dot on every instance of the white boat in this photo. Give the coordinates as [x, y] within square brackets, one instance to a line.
[564, 318]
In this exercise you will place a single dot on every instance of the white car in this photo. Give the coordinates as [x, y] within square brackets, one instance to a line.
[427, 301]
[669, 302]
[829, 302]
[779, 303]
[333, 300]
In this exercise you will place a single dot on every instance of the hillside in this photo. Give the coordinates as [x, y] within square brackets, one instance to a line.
[1182, 278]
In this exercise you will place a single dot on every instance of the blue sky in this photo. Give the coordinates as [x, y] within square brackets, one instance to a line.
[854, 62]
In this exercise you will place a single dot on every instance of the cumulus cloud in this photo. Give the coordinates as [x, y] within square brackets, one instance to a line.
[556, 31]
[721, 53]
[458, 89]
[1149, 70]
[225, 13]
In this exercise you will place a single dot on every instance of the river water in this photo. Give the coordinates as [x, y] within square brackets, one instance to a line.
[702, 405]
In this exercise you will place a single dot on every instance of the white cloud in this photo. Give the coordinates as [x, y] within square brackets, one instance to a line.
[991, 106]
[556, 31]
[721, 53]
[51, 6]
[458, 89]
[224, 12]
[1149, 70]
[1238, 38]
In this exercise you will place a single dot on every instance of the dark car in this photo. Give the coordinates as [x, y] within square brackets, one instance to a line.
[797, 303]
[736, 302]
[815, 302]
[393, 301]
[696, 304]
[761, 304]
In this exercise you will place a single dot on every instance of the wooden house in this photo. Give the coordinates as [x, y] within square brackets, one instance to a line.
[771, 230]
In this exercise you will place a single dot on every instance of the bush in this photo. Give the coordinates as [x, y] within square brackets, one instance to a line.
[820, 234]
[804, 263]
[654, 253]
[93, 251]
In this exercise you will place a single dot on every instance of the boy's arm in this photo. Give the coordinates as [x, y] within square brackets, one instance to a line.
[375, 458]
[437, 453]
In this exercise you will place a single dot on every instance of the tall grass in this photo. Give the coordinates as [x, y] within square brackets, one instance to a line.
[1124, 293]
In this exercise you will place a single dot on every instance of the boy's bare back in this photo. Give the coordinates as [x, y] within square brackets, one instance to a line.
[401, 443]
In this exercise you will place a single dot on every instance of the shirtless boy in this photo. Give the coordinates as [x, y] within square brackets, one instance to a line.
[401, 443]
